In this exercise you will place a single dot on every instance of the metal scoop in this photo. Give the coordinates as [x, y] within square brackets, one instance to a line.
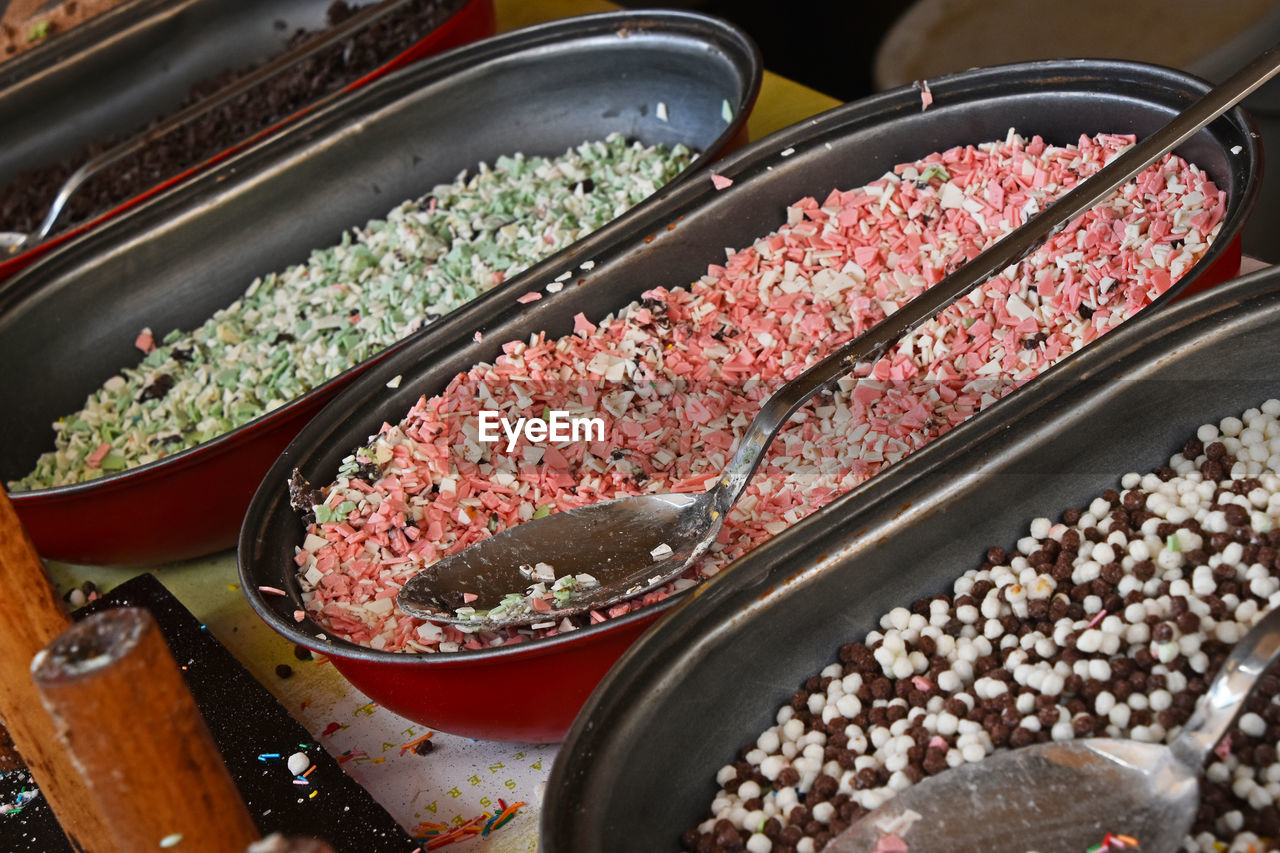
[634, 544]
[1069, 796]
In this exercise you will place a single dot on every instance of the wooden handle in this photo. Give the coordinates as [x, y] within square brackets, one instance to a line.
[112, 687]
[31, 615]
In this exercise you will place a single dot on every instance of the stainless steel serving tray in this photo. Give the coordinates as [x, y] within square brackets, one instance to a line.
[671, 244]
[119, 73]
[68, 323]
[116, 72]
[711, 676]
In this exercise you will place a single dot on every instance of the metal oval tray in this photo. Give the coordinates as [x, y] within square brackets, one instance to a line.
[712, 675]
[672, 244]
[143, 63]
[116, 84]
[68, 323]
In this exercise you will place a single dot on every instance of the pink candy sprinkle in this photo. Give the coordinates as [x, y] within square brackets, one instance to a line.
[96, 457]
[720, 181]
[926, 96]
[891, 844]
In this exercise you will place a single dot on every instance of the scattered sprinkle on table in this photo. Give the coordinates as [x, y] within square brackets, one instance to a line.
[437, 835]
[419, 746]
[1114, 842]
[20, 801]
[298, 763]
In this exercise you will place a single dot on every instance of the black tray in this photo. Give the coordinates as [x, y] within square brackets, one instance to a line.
[343, 813]
[711, 676]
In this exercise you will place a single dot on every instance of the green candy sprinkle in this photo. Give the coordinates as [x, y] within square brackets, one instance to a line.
[293, 330]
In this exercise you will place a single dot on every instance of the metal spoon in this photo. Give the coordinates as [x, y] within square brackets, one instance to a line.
[1069, 796]
[634, 544]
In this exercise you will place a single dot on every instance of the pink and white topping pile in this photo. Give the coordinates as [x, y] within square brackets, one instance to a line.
[678, 375]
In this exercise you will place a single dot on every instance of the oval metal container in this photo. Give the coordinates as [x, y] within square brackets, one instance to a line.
[69, 323]
[143, 59]
[143, 63]
[530, 692]
[712, 675]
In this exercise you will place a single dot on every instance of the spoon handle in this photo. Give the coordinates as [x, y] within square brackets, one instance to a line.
[868, 347]
[1226, 695]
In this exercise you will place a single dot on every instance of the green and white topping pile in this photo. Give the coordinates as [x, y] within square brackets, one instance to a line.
[292, 331]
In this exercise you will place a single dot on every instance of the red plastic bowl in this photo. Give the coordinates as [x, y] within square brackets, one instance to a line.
[532, 691]
[535, 688]
[172, 262]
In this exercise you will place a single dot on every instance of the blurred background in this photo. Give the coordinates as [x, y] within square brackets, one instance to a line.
[828, 45]
[852, 48]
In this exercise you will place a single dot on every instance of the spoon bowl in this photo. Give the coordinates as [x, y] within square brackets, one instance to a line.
[1068, 796]
[632, 544]
[1051, 797]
